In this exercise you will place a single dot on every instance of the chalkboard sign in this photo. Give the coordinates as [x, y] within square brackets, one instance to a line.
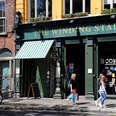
[34, 89]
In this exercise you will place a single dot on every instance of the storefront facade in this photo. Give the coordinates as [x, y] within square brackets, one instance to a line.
[79, 44]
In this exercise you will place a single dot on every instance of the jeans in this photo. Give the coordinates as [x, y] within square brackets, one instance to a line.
[103, 97]
[73, 96]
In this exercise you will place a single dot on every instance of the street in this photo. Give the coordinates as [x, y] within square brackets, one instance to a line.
[16, 113]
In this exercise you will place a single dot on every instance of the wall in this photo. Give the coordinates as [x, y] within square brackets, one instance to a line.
[57, 8]
[96, 7]
[22, 6]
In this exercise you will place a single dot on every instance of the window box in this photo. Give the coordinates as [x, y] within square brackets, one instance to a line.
[75, 15]
[109, 11]
[41, 19]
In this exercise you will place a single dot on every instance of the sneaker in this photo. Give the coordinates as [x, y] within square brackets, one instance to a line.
[100, 105]
[96, 103]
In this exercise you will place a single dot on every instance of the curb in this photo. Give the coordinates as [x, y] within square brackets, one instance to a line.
[56, 108]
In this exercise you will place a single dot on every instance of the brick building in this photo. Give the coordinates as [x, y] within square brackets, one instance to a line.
[7, 46]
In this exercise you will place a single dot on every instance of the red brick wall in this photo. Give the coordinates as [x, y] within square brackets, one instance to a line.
[8, 41]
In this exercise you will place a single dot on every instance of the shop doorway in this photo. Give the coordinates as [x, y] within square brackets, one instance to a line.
[107, 65]
[75, 61]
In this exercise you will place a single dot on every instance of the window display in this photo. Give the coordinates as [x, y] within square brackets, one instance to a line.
[109, 68]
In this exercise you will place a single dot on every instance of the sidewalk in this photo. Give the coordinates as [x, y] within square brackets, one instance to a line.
[50, 104]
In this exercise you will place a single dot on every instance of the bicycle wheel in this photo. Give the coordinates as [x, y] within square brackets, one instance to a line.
[1, 97]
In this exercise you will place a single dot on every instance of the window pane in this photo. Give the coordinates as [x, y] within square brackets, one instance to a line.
[2, 9]
[114, 5]
[32, 8]
[106, 6]
[2, 25]
[77, 6]
[50, 8]
[67, 6]
[41, 8]
[87, 6]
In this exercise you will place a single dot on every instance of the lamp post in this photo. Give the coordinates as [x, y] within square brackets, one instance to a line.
[58, 90]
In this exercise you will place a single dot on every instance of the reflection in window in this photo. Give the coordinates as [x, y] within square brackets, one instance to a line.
[40, 8]
[2, 16]
[32, 8]
[87, 6]
[67, 6]
[76, 6]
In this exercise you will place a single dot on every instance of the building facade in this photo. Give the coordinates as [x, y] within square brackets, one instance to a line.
[73, 35]
[7, 45]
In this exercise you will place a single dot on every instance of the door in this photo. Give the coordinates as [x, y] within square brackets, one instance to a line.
[5, 75]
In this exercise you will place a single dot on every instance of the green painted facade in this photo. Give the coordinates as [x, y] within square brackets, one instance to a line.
[87, 33]
[70, 30]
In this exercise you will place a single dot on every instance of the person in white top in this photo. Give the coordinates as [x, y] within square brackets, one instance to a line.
[102, 91]
[98, 86]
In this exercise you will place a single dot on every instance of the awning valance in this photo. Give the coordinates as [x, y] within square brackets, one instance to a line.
[34, 49]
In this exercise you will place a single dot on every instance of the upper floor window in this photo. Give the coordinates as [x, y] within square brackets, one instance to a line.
[2, 16]
[109, 4]
[40, 8]
[74, 6]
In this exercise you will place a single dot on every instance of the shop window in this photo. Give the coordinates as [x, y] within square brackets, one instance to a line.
[40, 8]
[2, 16]
[74, 6]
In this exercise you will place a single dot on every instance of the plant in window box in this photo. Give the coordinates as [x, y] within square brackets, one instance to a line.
[81, 14]
[40, 19]
[105, 11]
[113, 10]
[67, 16]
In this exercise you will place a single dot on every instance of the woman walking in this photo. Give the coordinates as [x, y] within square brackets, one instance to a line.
[73, 86]
[102, 92]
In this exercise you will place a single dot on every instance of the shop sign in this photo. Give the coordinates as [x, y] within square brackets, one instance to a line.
[70, 31]
[110, 61]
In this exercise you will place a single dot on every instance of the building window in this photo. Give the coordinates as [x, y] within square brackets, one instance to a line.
[109, 4]
[2, 16]
[74, 6]
[40, 8]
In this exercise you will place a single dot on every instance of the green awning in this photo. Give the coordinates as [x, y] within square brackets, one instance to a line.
[34, 49]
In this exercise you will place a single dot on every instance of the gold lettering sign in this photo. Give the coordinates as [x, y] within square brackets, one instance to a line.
[109, 27]
[114, 26]
[96, 28]
[102, 27]
[54, 31]
[88, 29]
[81, 29]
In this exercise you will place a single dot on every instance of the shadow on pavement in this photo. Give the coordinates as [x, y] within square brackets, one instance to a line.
[111, 105]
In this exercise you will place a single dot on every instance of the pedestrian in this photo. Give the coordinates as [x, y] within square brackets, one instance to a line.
[73, 85]
[102, 92]
[98, 86]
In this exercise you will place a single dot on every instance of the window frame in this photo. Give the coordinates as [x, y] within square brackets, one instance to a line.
[47, 11]
[4, 19]
[71, 6]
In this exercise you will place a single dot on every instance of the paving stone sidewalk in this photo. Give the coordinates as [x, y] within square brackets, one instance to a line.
[31, 104]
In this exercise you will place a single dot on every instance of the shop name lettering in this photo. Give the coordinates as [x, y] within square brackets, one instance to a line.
[104, 28]
[110, 61]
